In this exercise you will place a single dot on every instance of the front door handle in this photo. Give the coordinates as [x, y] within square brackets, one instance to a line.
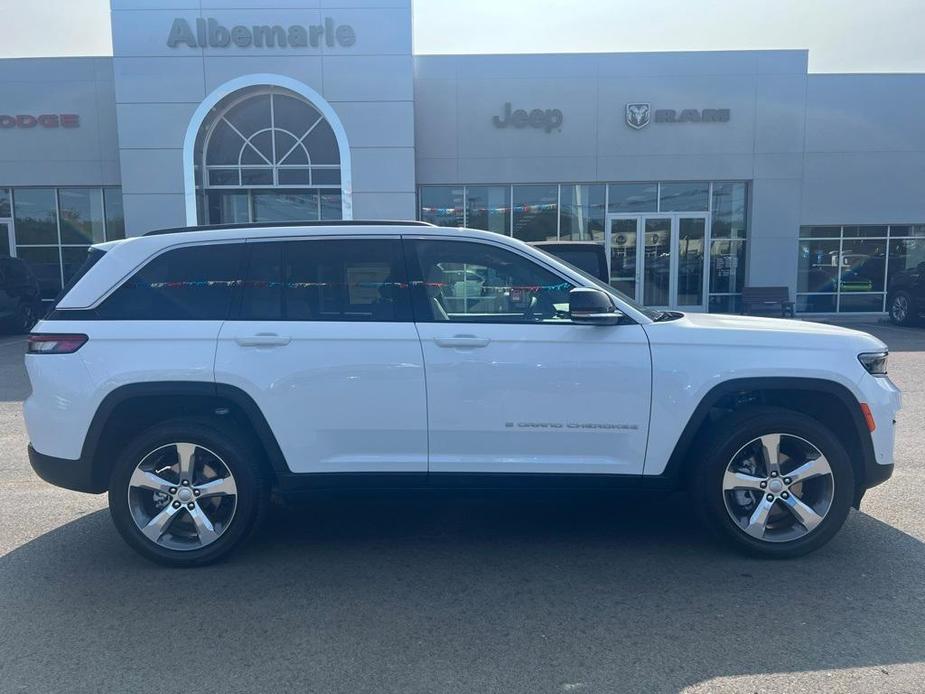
[263, 340]
[462, 341]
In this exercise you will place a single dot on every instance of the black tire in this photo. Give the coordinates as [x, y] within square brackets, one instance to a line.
[903, 310]
[27, 314]
[728, 437]
[240, 455]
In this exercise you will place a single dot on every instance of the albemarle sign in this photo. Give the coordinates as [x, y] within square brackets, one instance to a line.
[210, 33]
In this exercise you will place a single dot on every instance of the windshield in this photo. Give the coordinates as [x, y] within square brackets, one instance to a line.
[649, 313]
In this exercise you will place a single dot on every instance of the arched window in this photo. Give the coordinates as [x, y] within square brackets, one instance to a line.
[264, 155]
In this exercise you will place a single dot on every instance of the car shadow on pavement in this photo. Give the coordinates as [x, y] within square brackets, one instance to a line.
[440, 592]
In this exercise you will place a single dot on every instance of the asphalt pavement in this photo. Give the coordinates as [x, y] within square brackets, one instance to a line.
[465, 592]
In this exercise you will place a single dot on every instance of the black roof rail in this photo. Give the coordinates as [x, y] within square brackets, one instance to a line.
[276, 225]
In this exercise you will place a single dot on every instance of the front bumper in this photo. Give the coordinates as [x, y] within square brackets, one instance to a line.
[63, 472]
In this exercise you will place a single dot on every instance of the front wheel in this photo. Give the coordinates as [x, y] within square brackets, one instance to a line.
[187, 493]
[775, 483]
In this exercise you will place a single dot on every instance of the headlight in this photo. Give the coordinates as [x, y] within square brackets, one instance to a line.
[874, 362]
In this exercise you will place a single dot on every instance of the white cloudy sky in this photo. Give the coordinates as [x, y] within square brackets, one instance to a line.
[841, 35]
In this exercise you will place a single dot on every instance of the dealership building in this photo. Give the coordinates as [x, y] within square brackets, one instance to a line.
[700, 172]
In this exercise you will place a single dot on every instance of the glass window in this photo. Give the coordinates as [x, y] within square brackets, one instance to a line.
[817, 269]
[45, 264]
[72, 257]
[820, 232]
[194, 283]
[489, 208]
[906, 254]
[727, 266]
[908, 230]
[877, 231]
[81, 211]
[536, 213]
[480, 283]
[863, 264]
[285, 206]
[727, 303]
[361, 280]
[632, 197]
[5, 206]
[115, 217]
[331, 204]
[816, 303]
[442, 205]
[581, 214]
[4, 239]
[276, 141]
[729, 211]
[36, 216]
[231, 207]
[860, 303]
[684, 197]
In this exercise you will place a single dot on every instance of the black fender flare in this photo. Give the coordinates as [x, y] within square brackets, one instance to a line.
[219, 391]
[870, 472]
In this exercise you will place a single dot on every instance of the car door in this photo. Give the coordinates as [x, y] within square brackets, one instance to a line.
[512, 385]
[323, 341]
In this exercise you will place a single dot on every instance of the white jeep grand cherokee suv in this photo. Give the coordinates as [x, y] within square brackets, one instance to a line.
[188, 372]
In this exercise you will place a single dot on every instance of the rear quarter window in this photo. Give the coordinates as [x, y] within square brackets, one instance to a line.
[191, 283]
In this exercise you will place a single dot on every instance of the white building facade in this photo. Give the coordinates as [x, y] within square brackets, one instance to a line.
[700, 172]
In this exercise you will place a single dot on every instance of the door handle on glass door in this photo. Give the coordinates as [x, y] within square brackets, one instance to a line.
[462, 341]
[263, 340]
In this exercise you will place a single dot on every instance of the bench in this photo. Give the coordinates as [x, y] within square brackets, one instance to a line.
[767, 299]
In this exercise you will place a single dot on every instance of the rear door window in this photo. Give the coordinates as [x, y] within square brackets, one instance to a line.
[326, 280]
[191, 283]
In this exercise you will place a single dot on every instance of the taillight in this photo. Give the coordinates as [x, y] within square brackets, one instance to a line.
[47, 343]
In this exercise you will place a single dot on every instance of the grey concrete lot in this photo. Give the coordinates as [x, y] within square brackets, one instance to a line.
[465, 592]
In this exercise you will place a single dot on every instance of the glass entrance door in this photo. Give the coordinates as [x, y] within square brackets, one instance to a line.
[656, 262]
[692, 258]
[660, 259]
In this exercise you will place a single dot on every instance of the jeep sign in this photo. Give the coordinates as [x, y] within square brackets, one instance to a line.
[545, 119]
[210, 33]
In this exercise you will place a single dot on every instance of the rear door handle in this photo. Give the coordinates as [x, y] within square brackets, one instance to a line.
[462, 341]
[263, 340]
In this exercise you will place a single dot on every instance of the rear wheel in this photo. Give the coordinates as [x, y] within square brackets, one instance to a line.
[25, 316]
[187, 493]
[775, 483]
[903, 310]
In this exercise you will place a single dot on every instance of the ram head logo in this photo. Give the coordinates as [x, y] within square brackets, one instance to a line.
[637, 115]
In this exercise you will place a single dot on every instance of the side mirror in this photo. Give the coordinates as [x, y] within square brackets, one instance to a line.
[587, 306]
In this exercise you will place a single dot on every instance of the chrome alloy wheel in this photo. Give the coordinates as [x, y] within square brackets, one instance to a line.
[778, 487]
[182, 496]
[899, 310]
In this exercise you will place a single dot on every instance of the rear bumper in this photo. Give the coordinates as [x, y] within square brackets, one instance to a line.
[63, 472]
